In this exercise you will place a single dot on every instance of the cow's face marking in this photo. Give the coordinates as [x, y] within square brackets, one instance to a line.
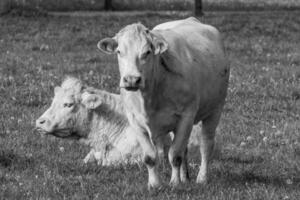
[136, 48]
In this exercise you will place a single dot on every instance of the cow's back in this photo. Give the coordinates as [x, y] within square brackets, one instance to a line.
[196, 52]
[193, 38]
[192, 31]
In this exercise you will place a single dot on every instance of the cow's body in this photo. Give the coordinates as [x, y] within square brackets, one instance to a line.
[110, 135]
[183, 82]
[196, 78]
[102, 124]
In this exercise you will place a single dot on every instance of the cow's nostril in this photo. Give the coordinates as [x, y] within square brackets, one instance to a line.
[125, 79]
[132, 81]
[42, 121]
[138, 80]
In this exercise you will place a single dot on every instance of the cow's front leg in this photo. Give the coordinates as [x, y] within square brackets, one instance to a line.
[184, 173]
[162, 145]
[150, 158]
[177, 150]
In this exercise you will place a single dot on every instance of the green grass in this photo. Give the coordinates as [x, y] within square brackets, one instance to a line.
[258, 152]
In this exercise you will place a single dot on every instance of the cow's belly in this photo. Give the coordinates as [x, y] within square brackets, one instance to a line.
[163, 121]
[197, 102]
[211, 99]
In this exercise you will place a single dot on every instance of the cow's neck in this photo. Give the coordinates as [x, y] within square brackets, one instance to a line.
[142, 104]
[108, 123]
[155, 85]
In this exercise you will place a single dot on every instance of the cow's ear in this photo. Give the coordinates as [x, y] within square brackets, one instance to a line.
[90, 101]
[108, 45]
[160, 45]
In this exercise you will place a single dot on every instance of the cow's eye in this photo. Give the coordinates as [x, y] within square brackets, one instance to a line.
[68, 105]
[118, 52]
[146, 54]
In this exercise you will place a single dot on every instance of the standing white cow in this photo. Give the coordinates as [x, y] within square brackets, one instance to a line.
[171, 78]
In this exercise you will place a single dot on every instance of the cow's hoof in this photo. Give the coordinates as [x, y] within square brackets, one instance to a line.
[155, 190]
[154, 185]
[106, 163]
[201, 180]
[174, 183]
[85, 161]
[184, 179]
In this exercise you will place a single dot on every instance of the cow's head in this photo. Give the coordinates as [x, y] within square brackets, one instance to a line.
[137, 48]
[68, 115]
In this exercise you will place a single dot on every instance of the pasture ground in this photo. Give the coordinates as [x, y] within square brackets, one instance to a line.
[258, 151]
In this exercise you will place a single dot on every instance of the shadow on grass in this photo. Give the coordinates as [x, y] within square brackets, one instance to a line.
[251, 177]
[9, 159]
[242, 169]
[243, 160]
[252, 169]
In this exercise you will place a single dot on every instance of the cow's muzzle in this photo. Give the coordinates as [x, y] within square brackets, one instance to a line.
[41, 123]
[132, 83]
[44, 127]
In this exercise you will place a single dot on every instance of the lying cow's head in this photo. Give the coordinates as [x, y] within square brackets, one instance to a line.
[137, 48]
[68, 115]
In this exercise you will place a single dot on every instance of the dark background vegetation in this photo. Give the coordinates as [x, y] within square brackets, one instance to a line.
[208, 5]
[258, 139]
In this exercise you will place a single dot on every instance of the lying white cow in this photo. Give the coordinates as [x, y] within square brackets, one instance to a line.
[95, 117]
[171, 78]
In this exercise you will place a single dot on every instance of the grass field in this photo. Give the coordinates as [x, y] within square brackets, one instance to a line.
[258, 151]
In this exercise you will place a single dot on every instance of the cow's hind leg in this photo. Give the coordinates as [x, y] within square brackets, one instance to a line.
[177, 150]
[207, 141]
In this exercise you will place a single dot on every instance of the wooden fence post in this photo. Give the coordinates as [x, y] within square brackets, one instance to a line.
[108, 5]
[4, 6]
[198, 8]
